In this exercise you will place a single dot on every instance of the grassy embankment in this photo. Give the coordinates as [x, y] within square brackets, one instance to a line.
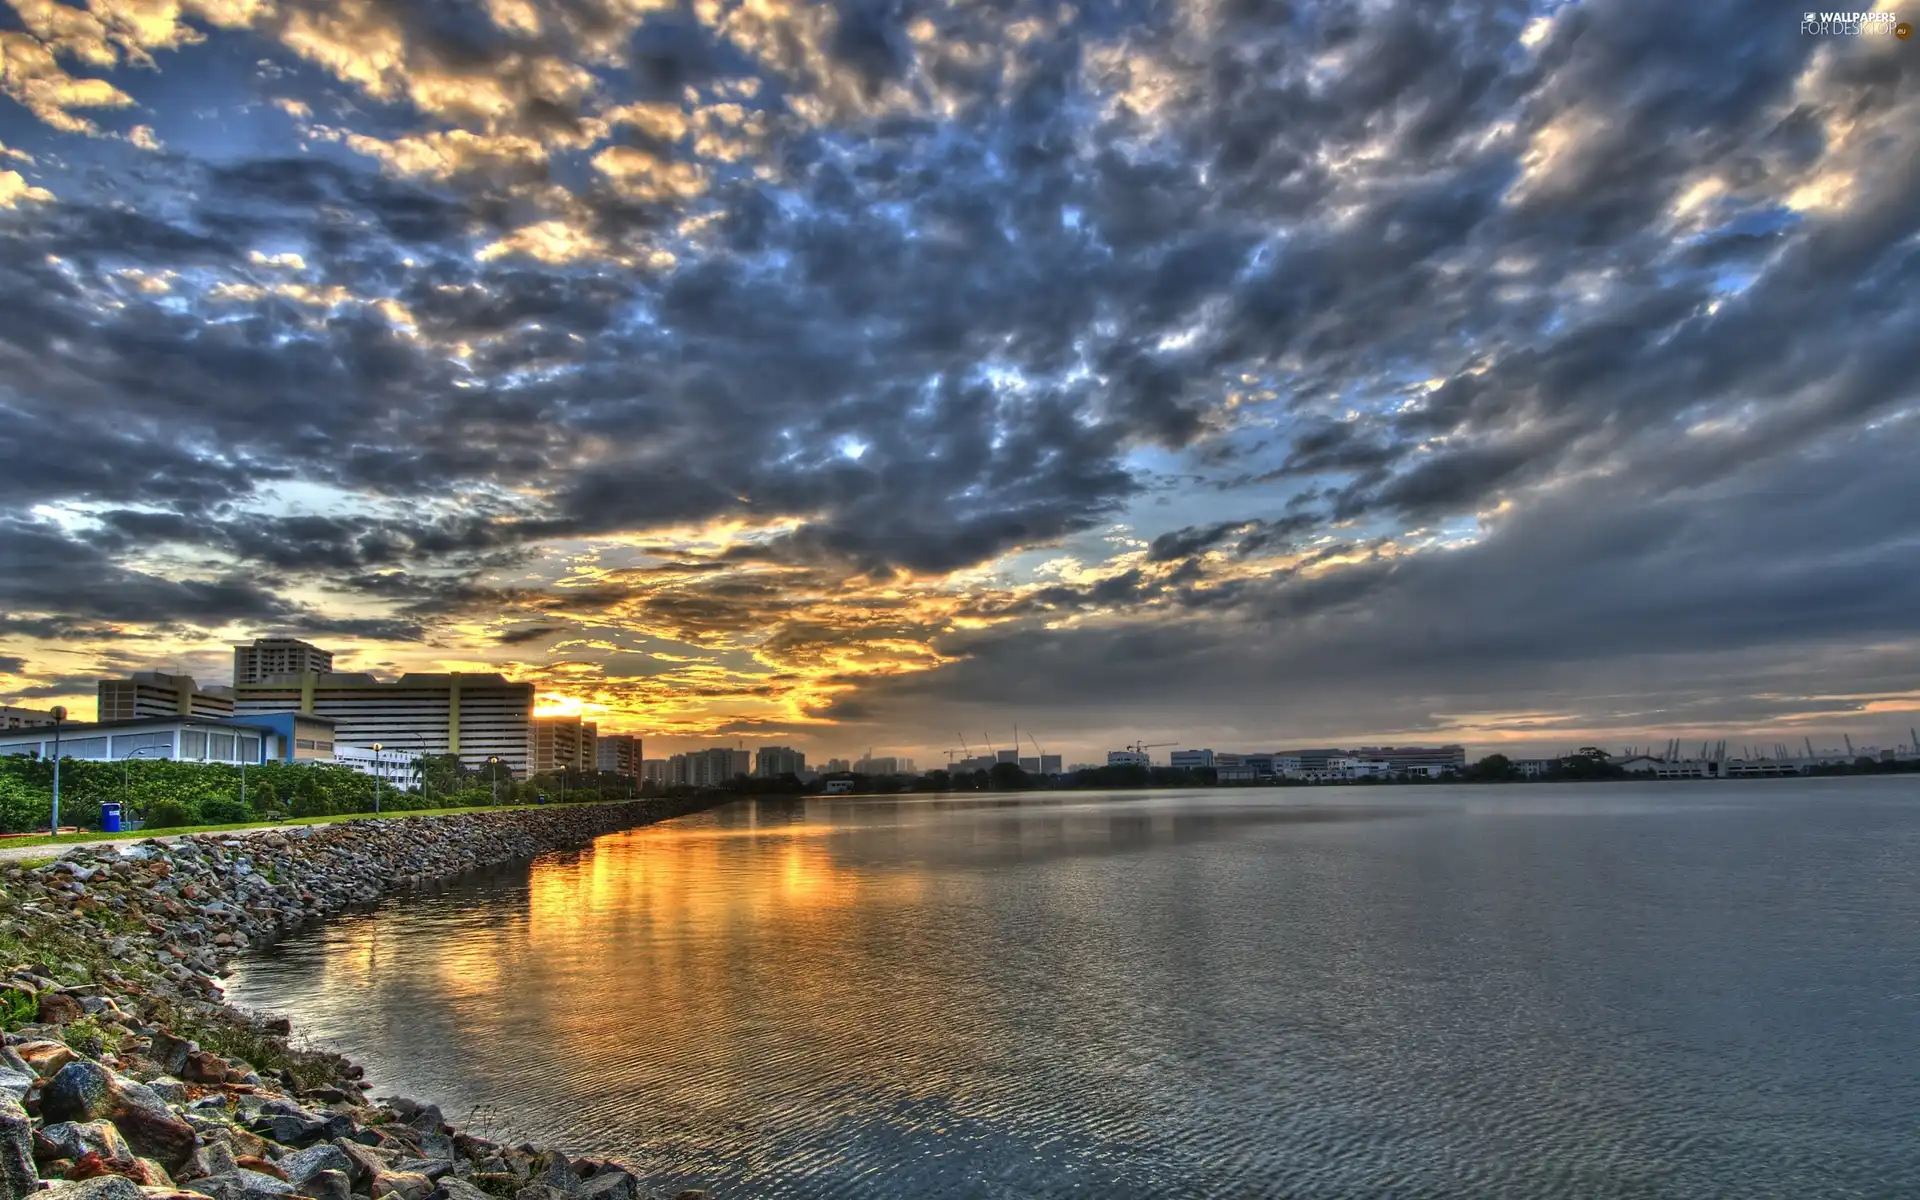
[276, 823]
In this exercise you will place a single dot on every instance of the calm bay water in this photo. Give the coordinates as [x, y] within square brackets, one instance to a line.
[1707, 989]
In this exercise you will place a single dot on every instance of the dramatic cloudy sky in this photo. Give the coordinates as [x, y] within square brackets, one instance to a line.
[875, 373]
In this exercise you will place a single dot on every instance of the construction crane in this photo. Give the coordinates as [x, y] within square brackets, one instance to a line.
[963, 746]
[1849, 742]
[951, 753]
[1141, 749]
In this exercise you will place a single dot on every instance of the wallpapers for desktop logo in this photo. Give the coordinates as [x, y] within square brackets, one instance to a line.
[1855, 24]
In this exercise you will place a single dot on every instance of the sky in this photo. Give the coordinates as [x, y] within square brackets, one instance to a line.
[883, 374]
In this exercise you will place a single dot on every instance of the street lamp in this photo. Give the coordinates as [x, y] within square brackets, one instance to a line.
[126, 776]
[377, 747]
[59, 715]
[493, 764]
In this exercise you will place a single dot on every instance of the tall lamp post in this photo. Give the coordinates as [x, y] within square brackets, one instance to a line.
[377, 747]
[493, 769]
[126, 776]
[59, 715]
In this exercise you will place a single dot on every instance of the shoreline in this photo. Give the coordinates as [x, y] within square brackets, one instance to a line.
[126, 1074]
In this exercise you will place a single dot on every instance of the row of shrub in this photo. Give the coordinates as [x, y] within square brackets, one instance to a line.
[167, 795]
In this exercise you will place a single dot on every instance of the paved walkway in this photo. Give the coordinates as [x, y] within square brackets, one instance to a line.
[58, 849]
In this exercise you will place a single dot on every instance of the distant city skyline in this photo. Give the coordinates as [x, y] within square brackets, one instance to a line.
[848, 376]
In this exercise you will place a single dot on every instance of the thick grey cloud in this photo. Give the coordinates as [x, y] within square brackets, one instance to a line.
[929, 286]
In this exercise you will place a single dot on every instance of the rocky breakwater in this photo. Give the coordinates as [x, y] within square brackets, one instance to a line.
[124, 1076]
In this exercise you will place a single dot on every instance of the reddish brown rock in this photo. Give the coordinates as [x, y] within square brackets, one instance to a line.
[58, 1008]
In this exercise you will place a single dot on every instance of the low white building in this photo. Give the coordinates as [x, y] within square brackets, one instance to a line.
[186, 739]
[1128, 758]
[1359, 768]
[397, 768]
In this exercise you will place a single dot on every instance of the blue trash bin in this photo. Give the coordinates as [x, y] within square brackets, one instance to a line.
[110, 818]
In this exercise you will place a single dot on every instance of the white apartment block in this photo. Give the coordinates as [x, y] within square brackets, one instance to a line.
[397, 768]
[771, 762]
[618, 753]
[278, 658]
[476, 716]
[708, 768]
[23, 718]
[154, 694]
[564, 743]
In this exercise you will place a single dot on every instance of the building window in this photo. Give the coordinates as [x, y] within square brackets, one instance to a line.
[303, 743]
[193, 743]
[323, 747]
[87, 747]
[220, 747]
[249, 749]
[147, 745]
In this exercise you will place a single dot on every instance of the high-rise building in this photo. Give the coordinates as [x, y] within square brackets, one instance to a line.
[23, 718]
[715, 767]
[1049, 764]
[153, 694]
[618, 753]
[278, 658]
[1189, 760]
[476, 716]
[771, 762]
[1007, 756]
[564, 744]
[656, 770]
[837, 766]
[1030, 765]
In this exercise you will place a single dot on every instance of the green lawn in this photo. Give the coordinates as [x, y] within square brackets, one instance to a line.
[140, 834]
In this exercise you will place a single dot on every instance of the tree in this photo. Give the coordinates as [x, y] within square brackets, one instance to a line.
[1008, 777]
[309, 798]
[264, 798]
[1494, 768]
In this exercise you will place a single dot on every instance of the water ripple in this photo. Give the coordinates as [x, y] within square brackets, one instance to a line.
[1612, 992]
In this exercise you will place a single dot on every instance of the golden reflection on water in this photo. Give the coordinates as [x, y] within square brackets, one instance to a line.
[1175, 996]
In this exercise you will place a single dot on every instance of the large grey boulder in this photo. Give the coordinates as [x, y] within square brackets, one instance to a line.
[17, 1177]
[170, 1052]
[305, 1164]
[326, 1185]
[366, 1162]
[100, 1187]
[459, 1189]
[240, 1185]
[16, 1077]
[70, 1139]
[85, 1091]
[610, 1184]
